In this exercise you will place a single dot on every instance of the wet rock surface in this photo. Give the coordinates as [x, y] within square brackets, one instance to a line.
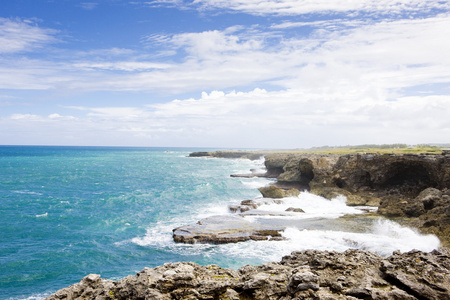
[276, 192]
[412, 187]
[415, 187]
[310, 274]
[225, 229]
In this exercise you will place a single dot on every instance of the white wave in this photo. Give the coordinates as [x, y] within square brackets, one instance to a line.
[400, 238]
[382, 238]
[159, 235]
[314, 206]
[43, 215]
[255, 183]
[35, 297]
[26, 192]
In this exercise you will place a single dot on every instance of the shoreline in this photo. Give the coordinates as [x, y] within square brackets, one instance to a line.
[309, 274]
[413, 188]
[304, 274]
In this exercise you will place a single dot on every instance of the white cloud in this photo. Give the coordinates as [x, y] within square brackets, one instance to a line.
[22, 36]
[129, 66]
[330, 87]
[259, 118]
[116, 113]
[88, 5]
[383, 55]
[295, 7]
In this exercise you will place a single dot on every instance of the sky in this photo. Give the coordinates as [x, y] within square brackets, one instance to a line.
[224, 73]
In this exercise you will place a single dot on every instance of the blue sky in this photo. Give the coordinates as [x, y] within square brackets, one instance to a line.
[216, 73]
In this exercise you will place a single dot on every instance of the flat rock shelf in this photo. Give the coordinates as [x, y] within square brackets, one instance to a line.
[225, 229]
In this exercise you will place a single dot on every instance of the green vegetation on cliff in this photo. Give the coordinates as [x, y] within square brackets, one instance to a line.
[372, 148]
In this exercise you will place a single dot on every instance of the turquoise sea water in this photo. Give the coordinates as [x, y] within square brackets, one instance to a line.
[70, 211]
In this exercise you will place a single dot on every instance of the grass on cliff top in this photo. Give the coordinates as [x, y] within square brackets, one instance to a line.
[382, 149]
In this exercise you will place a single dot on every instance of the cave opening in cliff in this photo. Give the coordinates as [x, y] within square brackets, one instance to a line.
[408, 179]
[306, 172]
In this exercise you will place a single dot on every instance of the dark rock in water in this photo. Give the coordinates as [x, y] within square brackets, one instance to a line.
[276, 192]
[253, 204]
[310, 274]
[296, 210]
[225, 229]
[200, 154]
[252, 155]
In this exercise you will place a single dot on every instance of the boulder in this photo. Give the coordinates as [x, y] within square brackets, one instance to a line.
[429, 197]
[296, 210]
[225, 229]
[276, 192]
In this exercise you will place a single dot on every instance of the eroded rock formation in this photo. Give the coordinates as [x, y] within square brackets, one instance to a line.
[353, 274]
[395, 183]
[225, 229]
[413, 186]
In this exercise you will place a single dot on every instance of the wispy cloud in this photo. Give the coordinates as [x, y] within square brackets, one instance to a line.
[88, 5]
[384, 55]
[298, 7]
[313, 82]
[18, 35]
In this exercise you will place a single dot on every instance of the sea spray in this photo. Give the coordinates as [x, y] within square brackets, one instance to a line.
[322, 227]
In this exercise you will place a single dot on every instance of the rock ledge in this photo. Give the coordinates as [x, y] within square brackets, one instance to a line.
[310, 274]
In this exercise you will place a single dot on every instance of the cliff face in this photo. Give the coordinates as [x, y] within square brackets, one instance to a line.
[353, 274]
[370, 174]
[413, 186]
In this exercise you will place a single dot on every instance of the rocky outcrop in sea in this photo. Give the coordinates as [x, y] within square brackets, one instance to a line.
[353, 274]
[414, 189]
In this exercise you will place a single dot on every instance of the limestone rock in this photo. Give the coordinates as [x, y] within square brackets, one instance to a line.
[276, 192]
[296, 210]
[225, 229]
[309, 274]
[401, 185]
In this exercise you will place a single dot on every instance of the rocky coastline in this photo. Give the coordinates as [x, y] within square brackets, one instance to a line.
[310, 274]
[413, 189]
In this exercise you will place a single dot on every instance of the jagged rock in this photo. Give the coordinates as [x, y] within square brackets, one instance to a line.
[310, 274]
[429, 197]
[352, 199]
[252, 155]
[423, 275]
[247, 205]
[428, 210]
[225, 229]
[200, 154]
[296, 210]
[401, 185]
[276, 192]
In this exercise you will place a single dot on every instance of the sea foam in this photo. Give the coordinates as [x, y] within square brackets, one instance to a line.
[320, 228]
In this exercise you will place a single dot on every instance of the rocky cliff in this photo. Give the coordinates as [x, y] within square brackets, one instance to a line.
[415, 187]
[353, 274]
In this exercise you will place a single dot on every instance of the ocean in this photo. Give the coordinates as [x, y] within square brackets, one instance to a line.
[67, 212]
